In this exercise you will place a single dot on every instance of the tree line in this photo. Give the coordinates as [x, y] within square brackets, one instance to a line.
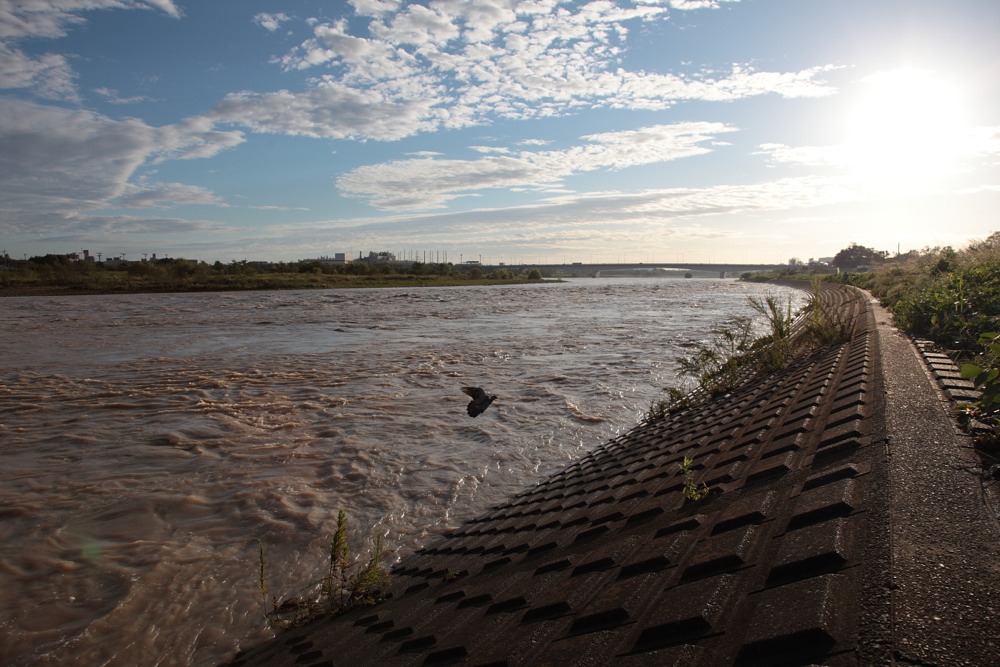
[61, 271]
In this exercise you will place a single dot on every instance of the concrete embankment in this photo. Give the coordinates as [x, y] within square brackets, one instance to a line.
[845, 526]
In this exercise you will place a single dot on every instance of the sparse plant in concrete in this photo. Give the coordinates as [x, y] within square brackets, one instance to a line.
[338, 591]
[691, 489]
[677, 400]
[720, 364]
[774, 349]
[825, 325]
[735, 354]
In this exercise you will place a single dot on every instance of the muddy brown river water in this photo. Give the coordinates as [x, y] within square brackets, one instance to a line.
[148, 441]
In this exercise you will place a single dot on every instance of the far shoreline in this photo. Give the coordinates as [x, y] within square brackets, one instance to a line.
[262, 286]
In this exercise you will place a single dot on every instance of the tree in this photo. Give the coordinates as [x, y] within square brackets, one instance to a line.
[855, 255]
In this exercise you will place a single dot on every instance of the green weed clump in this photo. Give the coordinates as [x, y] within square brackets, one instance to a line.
[691, 489]
[345, 586]
[985, 373]
[735, 353]
[947, 296]
[719, 364]
[952, 297]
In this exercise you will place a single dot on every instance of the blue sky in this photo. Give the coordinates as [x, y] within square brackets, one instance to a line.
[535, 131]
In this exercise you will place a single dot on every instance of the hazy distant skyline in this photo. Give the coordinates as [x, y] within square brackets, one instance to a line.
[538, 131]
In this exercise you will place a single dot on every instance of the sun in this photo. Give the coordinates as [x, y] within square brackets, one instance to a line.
[906, 130]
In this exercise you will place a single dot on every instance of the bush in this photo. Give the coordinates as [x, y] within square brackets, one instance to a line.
[949, 297]
[953, 298]
[985, 373]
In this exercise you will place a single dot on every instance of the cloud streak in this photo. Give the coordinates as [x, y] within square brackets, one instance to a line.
[60, 162]
[429, 182]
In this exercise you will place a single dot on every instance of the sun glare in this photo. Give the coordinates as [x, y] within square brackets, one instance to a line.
[906, 130]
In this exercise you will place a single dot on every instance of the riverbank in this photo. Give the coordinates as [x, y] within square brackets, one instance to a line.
[844, 525]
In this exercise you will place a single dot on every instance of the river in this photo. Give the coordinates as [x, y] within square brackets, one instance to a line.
[148, 441]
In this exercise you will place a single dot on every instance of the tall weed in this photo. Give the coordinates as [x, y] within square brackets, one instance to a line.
[343, 587]
[734, 353]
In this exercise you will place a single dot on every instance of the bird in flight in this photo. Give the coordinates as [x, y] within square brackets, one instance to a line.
[480, 401]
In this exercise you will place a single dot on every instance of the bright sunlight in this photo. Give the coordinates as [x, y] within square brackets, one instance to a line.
[907, 130]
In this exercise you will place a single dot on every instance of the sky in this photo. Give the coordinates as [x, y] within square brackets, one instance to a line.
[534, 131]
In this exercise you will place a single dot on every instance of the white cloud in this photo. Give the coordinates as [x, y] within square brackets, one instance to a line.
[271, 22]
[56, 162]
[697, 4]
[453, 64]
[112, 96]
[52, 18]
[112, 229]
[49, 75]
[192, 138]
[329, 110]
[967, 143]
[375, 7]
[166, 195]
[490, 149]
[429, 183]
[814, 156]
[594, 220]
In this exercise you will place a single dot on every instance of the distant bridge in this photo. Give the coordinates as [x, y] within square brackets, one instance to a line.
[655, 270]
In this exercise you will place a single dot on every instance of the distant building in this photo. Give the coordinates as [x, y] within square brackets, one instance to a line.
[338, 258]
[377, 257]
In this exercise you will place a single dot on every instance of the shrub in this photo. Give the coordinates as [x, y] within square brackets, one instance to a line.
[985, 373]
[953, 298]
[950, 297]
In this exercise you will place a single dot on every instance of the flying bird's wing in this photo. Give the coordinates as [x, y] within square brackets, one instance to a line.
[476, 393]
[480, 400]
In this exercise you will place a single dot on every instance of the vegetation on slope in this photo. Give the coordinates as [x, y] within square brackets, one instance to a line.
[737, 352]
